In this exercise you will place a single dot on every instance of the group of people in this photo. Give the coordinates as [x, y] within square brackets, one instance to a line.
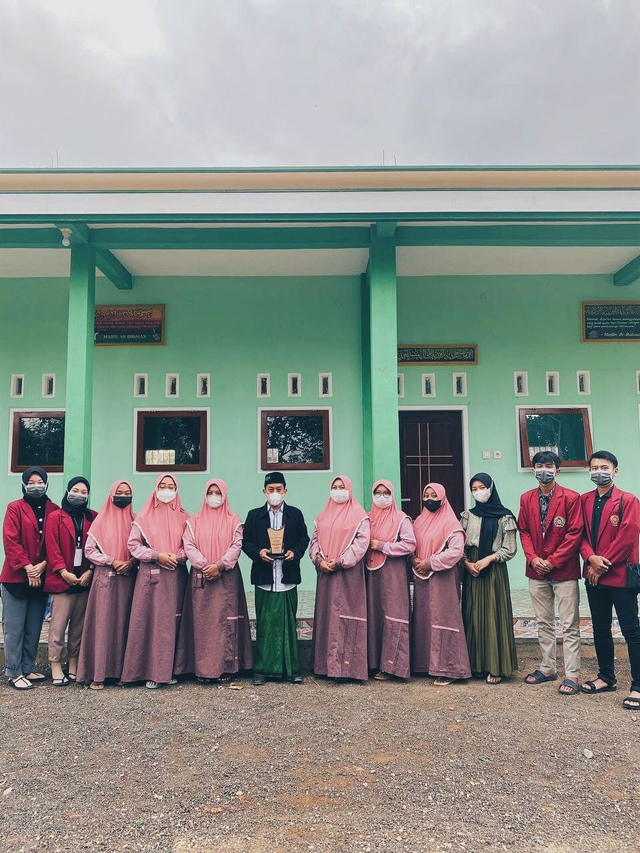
[121, 591]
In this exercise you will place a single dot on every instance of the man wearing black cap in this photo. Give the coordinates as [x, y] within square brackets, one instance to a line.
[275, 573]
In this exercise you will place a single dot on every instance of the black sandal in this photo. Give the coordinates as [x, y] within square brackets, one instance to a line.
[60, 682]
[629, 707]
[16, 686]
[539, 677]
[593, 689]
[575, 688]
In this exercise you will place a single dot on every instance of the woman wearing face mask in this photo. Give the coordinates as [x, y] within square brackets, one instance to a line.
[156, 541]
[69, 575]
[215, 639]
[486, 598]
[438, 645]
[338, 549]
[23, 596]
[107, 619]
[388, 599]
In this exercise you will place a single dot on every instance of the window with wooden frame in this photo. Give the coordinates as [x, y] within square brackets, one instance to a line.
[37, 438]
[171, 440]
[295, 440]
[565, 431]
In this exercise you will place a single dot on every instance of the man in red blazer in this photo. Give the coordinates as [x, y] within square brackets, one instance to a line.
[611, 529]
[550, 524]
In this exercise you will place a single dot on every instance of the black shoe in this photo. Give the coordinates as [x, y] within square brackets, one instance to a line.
[258, 679]
[297, 679]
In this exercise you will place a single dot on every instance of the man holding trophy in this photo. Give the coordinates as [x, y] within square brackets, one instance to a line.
[275, 539]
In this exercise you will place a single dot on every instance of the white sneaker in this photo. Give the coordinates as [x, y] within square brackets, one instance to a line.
[152, 685]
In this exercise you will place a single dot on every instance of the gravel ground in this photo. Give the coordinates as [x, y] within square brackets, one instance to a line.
[381, 767]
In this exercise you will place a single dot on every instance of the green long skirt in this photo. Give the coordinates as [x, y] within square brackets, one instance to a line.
[488, 619]
[276, 634]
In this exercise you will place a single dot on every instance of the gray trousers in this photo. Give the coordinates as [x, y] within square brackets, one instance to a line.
[566, 596]
[21, 624]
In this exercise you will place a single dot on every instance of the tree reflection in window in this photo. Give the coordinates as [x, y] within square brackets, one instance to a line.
[564, 431]
[38, 440]
[175, 440]
[295, 440]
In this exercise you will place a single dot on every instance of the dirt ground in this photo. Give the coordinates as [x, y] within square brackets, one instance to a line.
[380, 767]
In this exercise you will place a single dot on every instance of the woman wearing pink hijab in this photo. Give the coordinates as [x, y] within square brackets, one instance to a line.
[106, 621]
[215, 638]
[388, 598]
[338, 549]
[156, 541]
[438, 644]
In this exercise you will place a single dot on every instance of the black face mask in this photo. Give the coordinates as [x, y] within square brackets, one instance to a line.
[121, 501]
[431, 505]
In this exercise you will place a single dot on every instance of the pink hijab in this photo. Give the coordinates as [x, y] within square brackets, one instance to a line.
[213, 528]
[162, 525]
[112, 526]
[434, 529]
[338, 524]
[385, 525]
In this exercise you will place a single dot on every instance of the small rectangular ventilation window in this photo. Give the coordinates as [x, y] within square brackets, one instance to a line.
[459, 384]
[172, 385]
[521, 383]
[17, 385]
[295, 385]
[401, 385]
[264, 385]
[140, 384]
[325, 385]
[48, 385]
[428, 385]
[584, 381]
[553, 383]
[203, 388]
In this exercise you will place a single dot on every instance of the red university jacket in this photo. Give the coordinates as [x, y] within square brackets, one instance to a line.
[562, 536]
[60, 539]
[617, 539]
[22, 542]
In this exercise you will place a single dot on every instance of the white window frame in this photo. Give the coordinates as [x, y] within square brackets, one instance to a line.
[290, 378]
[167, 384]
[259, 379]
[432, 377]
[45, 378]
[524, 375]
[401, 385]
[329, 378]
[199, 379]
[587, 377]
[136, 379]
[14, 379]
[555, 375]
[463, 377]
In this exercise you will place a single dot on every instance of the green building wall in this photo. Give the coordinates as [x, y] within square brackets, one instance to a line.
[234, 328]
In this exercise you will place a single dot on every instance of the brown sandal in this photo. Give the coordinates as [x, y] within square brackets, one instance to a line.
[382, 676]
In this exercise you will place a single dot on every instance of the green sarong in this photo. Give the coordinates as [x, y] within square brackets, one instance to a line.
[488, 619]
[276, 635]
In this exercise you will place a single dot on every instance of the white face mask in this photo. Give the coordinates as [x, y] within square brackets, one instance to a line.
[214, 500]
[482, 495]
[165, 496]
[340, 496]
[382, 501]
[275, 498]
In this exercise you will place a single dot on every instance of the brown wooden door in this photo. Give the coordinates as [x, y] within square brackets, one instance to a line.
[431, 452]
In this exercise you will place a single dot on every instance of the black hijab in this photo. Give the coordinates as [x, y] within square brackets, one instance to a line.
[76, 512]
[490, 513]
[36, 504]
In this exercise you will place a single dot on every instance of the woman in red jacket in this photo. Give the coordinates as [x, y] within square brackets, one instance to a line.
[68, 578]
[23, 596]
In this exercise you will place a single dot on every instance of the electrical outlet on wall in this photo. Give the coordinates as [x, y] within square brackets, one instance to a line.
[497, 454]
[486, 454]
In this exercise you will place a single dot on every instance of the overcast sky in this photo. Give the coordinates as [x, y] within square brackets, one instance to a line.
[318, 82]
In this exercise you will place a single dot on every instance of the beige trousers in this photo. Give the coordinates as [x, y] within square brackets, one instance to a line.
[67, 608]
[544, 597]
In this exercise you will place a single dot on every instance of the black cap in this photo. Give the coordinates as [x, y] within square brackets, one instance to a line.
[274, 477]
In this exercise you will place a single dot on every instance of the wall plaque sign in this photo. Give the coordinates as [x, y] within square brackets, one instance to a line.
[615, 322]
[129, 325]
[438, 354]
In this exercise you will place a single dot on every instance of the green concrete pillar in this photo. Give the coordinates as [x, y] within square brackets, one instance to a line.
[380, 362]
[79, 391]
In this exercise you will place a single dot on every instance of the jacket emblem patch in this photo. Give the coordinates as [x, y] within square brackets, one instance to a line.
[615, 520]
[559, 521]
